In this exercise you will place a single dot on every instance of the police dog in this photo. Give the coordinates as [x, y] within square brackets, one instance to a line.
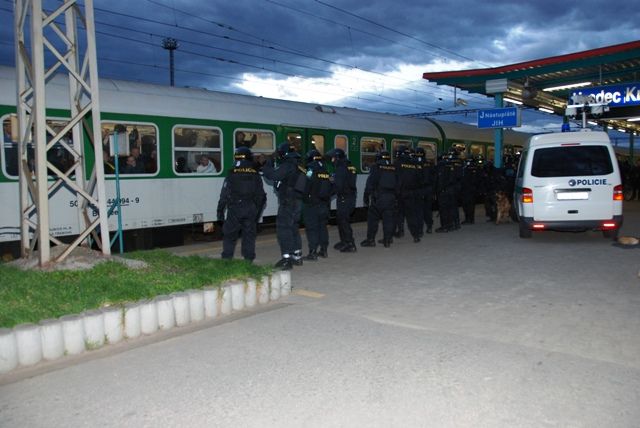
[503, 208]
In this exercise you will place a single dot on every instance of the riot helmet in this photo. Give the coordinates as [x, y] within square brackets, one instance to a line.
[243, 153]
[383, 156]
[336, 153]
[285, 148]
[313, 155]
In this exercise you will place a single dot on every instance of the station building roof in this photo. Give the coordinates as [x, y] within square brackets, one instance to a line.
[527, 81]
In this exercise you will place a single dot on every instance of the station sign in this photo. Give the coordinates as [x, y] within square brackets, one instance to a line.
[499, 118]
[614, 95]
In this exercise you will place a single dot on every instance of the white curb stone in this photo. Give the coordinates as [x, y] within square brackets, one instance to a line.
[225, 300]
[181, 308]
[52, 339]
[237, 295]
[29, 343]
[73, 332]
[211, 301]
[113, 324]
[93, 329]
[132, 320]
[196, 305]
[263, 290]
[275, 286]
[285, 282]
[8, 350]
[148, 317]
[166, 314]
[250, 296]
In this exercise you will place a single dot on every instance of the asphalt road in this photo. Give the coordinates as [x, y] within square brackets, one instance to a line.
[476, 328]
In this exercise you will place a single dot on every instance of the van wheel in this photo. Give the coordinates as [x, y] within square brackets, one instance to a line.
[525, 232]
[610, 234]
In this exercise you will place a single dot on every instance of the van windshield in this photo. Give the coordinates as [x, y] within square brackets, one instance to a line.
[571, 161]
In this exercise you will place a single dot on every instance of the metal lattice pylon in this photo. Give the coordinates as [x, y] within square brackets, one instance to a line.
[40, 180]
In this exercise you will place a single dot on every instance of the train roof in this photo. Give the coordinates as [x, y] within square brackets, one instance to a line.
[159, 100]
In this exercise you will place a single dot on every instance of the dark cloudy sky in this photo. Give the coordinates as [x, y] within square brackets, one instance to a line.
[355, 53]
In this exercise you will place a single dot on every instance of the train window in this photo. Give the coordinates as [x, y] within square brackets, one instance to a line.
[476, 150]
[430, 150]
[135, 145]
[317, 141]
[10, 145]
[369, 147]
[197, 150]
[57, 155]
[340, 142]
[258, 141]
[395, 143]
[295, 139]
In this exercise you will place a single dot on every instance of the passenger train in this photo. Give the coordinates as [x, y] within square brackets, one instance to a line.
[184, 138]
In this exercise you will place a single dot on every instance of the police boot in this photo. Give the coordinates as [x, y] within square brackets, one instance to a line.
[349, 248]
[399, 233]
[285, 263]
[339, 245]
[323, 252]
[381, 241]
[297, 258]
[312, 256]
[416, 239]
[387, 242]
[442, 229]
[429, 229]
[368, 243]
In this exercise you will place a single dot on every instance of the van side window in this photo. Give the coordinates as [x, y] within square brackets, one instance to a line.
[521, 165]
[571, 161]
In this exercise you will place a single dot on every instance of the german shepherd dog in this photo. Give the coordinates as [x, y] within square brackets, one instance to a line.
[503, 208]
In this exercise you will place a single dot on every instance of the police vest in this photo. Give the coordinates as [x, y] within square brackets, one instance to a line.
[387, 181]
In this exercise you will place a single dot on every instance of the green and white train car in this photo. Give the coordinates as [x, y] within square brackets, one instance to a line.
[174, 128]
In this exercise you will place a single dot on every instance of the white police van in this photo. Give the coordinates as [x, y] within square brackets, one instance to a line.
[569, 181]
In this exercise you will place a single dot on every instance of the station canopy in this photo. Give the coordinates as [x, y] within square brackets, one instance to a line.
[532, 83]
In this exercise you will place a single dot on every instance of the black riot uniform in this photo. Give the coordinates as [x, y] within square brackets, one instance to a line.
[489, 183]
[344, 179]
[446, 194]
[409, 191]
[425, 197]
[284, 177]
[470, 186]
[380, 198]
[316, 206]
[455, 160]
[243, 198]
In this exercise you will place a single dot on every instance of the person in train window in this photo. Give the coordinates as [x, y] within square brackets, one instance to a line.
[205, 166]
[316, 206]
[344, 179]
[284, 176]
[151, 164]
[380, 199]
[243, 198]
[241, 142]
[140, 160]
[130, 166]
[109, 166]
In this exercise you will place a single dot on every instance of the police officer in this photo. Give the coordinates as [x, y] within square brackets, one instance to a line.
[283, 173]
[344, 180]
[243, 198]
[316, 205]
[470, 183]
[398, 212]
[458, 165]
[380, 198]
[446, 194]
[425, 198]
[409, 184]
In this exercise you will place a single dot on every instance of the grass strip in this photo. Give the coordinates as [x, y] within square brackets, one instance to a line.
[31, 296]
